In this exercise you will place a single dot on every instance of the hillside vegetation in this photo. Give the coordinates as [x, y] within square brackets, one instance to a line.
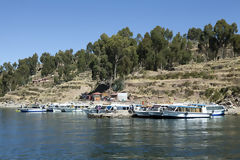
[48, 91]
[214, 81]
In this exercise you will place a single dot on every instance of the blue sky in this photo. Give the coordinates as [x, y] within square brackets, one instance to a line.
[37, 26]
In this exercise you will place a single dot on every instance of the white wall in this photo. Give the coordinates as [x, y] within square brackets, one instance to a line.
[122, 96]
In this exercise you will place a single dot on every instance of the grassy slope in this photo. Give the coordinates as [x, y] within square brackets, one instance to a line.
[48, 92]
[186, 83]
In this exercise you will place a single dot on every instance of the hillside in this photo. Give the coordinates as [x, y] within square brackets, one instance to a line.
[198, 82]
[47, 91]
[202, 82]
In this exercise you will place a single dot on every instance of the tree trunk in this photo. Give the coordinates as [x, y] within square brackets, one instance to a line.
[115, 71]
[223, 55]
[115, 67]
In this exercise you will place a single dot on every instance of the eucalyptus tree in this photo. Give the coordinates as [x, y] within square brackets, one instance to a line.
[194, 34]
[48, 64]
[181, 54]
[236, 44]
[139, 38]
[33, 61]
[145, 52]
[160, 39]
[224, 32]
[115, 47]
[206, 36]
[80, 57]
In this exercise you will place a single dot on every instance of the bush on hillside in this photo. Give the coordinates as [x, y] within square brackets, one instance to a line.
[118, 85]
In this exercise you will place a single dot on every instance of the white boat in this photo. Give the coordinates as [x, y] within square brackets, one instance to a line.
[66, 107]
[34, 108]
[78, 110]
[157, 110]
[57, 109]
[183, 111]
[141, 112]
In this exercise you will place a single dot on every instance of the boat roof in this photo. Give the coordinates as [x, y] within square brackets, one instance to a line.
[206, 105]
[184, 106]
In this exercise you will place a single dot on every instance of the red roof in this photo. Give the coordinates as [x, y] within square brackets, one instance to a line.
[97, 93]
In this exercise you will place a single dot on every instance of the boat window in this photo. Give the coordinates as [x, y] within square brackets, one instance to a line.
[193, 109]
[198, 110]
[215, 107]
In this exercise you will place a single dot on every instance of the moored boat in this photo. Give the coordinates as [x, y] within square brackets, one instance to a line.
[156, 110]
[184, 111]
[141, 112]
[34, 108]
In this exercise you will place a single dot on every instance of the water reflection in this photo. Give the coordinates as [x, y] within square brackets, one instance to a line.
[74, 136]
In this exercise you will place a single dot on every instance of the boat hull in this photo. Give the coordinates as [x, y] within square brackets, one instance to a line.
[56, 110]
[173, 114]
[142, 114]
[33, 110]
[218, 113]
[155, 114]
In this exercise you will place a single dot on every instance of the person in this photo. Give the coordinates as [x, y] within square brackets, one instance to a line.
[98, 109]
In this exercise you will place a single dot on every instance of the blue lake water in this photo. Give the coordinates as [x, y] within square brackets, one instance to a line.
[74, 136]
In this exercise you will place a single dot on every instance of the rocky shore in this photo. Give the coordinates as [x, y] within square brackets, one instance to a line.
[233, 111]
[10, 105]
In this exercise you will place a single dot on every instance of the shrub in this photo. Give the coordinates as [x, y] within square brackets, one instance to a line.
[186, 84]
[208, 93]
[57, 80]
[199, 59]
[188, 92]
[215, 97]
[235, 90]
[217, 67]
[118, 85]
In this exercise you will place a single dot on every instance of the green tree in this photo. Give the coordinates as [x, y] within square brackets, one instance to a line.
[115, 48]
[1, 69]
[128, 62]
[66, 64]
[204, 41]
[144, 50]
[181, 53]
[23, 72]
[139, 38]
[125, 32]
[160, 39]
[194, 34]
[89, 48]
[48, 64]
[33, 61]
[236, 44]
[223, 34]
[81, 61]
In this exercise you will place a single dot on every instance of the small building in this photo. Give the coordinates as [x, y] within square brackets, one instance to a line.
[96, 96]
[122, 96]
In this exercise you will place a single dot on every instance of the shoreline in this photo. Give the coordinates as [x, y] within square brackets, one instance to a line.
[2, 105]
[230, 111]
